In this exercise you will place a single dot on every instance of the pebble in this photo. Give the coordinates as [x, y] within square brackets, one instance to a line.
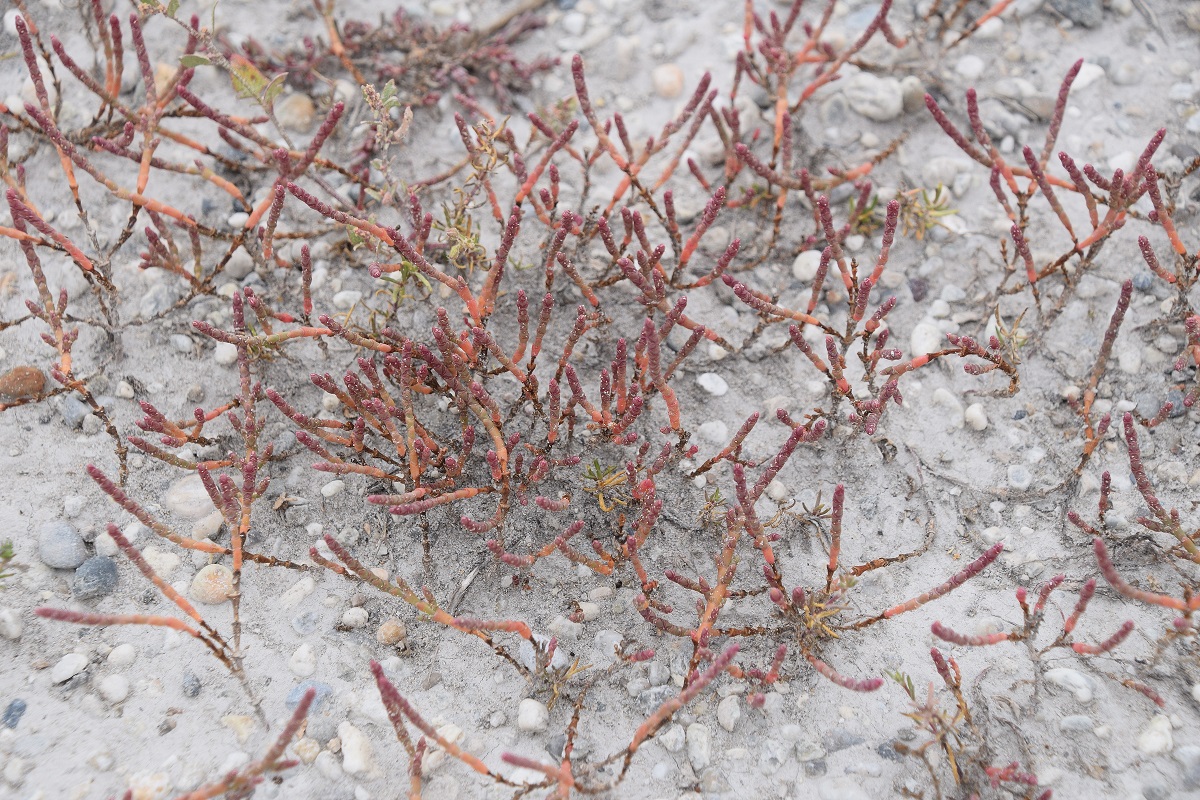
[589, 610]
[667, 80]
[114, 689]
[805, 267]
[297, 592]
[188, 498]
[212, 585]
[564, 628]
[357, 756]
[307, 750]
[149, 786]
[72, 505]
[1156, 737]
[60, 546]
[333, 488]
[68, 667]
[574, 23]
[1129, 359]
[729, 712]
[1076, 722]
[182, 343]
[191, 685]
[324, 690]
[975, 417]
[238, 219]
[163, 562]
[303, 661]
[11, 626]
[346, 299]
[878, 99]
[20, 383]
[672, 738]
[1078, 684]
[969, 67]
[1087, 13]
[225, 353]
[354, 618]
[391, 632]
[95, 578]
[122, 656]
[532, 715]
[714, 432]
[296, 112]
[699, 746]
[1019, 477]
[713, 383]
[926, 338]
[13, 713]
[944, 398]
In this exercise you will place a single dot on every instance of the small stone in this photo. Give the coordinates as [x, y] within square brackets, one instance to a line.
[307, 750]
[391, 632]
[11, 626]
[805, 267]
[114, 689]
[297, 592]
[182, 343]
[1156, 737]
[296, 112]
[699, 746]
[729, 711]
[225, 353]
[944, 398]
[60, 546]
[969, 67]
[303, 661]
[975, 417]
[73, 505]
[212, 585]
[332, 488]
[672, 738]
[238, 219]
[589, 610]
[13, 713]
[161, 561]
[122, 656]
[574, 23]
[777, 490]
[1080, 685]
[354, 618]
[926, 338]
[188, 498]
[95, 578]
[667, 80]
[149, 786]
[1087, 13]
[879, 99]
[346, 299]
[357, 756]
[713, 383]
[21, 383]
[68, 667]
[191, 685]
[532, 715]
[322, 693]
[1019, 477]
[714, 432]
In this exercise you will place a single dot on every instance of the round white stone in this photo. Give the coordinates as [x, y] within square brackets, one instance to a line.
[122, 656]
[713, 383]
[975, 417]
[188, 498]
[804, 268]
[114, 689]
[354, 618]
[532, 715]
[68, 667]
[225, 353]
[303, 661]
[357, 756]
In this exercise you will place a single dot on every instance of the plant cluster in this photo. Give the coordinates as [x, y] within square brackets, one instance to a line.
[515, 376]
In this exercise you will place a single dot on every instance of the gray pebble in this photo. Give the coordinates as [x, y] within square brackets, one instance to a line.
[321, 727]
[181, 342]
[13, 713]
[1087, 13]
[652, 698]
[1019, 477]
[95, 578]
[839, 739]
[73, 411]
[191, 684]
[306, 623]
[60, 546]
[157, 299]
[324, 690]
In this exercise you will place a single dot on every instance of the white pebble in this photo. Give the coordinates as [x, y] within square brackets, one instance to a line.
[357, 756]
[346, 299]
[354, 618]
[777, 490]
[729, 711]
[976, 417]
[699, 746]
[11, 626]
[297, 592]
[188, 498]
[122, 656]
[332, 488]
[114, 689]
[303, 661]
[969, 67]
[212, 585]
[532, 715]
[926, 338]
[714, 432]
[225, 353]
[668, 80]
[713, 383]
[1156, 737]
[238, 219]
[946, 399]
[1078, 684]
[68, 667]
[589, 610]
[804, 268]
[672, 738]
[1019, 477]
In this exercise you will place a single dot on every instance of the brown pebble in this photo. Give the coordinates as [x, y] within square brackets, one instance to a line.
[20, 383]
[391, 632]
